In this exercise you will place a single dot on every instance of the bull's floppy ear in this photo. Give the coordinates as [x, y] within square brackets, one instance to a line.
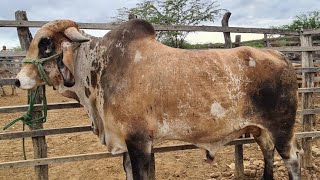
[68, 78]
[66, 64]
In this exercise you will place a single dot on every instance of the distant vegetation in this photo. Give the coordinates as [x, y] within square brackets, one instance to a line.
[17, 48]
[309, 20]
[173, 12]
[187, 45]
[253, 44]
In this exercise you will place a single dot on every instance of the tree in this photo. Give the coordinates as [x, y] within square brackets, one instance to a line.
[172, 12]
[17, 48]
[309, 20]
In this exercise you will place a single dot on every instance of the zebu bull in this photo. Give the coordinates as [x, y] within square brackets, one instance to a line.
[138, 92]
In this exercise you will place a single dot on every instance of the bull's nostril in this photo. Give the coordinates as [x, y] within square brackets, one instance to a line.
[17, 83]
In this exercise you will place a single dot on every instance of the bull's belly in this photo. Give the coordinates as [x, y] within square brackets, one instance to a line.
[203, 132]
[210, 136]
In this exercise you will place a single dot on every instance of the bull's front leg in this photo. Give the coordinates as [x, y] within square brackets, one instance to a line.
[127, 166]
[139, 150]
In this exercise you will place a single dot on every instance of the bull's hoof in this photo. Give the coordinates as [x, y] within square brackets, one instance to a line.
[208, 158]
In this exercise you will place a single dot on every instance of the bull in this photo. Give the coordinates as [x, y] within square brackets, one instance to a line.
[139, 92]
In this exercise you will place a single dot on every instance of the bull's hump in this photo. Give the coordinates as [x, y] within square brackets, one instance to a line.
[132, 30]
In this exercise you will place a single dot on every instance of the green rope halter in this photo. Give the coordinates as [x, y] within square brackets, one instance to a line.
[27, 118]
[39, 64]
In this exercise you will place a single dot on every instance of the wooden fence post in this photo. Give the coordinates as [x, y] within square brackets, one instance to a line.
[307, 99]
[227, 37]
[237, 41]
[238, 151]
[24, 34]
[266, 43]
[39, 143]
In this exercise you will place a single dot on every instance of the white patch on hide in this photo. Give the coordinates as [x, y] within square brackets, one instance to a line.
[164, 128]
[217, 110]
[137, 57]
[113, 101]
[25, 81]
[252, 62]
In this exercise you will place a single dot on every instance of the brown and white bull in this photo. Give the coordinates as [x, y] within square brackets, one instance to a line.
[139, 92]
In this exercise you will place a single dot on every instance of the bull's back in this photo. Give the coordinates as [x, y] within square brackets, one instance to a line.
[229, 77]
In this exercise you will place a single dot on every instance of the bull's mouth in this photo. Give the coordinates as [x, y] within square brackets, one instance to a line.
[28, 87]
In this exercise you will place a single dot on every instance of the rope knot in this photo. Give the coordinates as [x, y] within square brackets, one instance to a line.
[37, 63]
[26, 117]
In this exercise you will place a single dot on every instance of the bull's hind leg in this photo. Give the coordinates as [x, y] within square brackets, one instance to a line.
[267, 147]
[139, 150]
[286, 145]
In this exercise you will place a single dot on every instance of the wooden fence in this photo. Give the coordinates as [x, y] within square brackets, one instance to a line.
[41, 161]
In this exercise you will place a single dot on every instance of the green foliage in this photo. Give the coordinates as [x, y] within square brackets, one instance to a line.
[17, 48]
[310, 20]
[187, 45]
[172, 12]
[254, 44]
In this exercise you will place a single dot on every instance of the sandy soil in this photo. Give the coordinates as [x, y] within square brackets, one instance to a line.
[188, 164]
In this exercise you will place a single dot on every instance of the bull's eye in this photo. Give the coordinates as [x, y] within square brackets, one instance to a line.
[46, 47]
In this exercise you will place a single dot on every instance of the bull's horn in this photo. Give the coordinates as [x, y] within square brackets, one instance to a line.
[74, 35]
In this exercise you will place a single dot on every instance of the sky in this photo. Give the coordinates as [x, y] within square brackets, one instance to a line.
[245, 13]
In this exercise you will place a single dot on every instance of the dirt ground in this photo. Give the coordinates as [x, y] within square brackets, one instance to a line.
[187, 164]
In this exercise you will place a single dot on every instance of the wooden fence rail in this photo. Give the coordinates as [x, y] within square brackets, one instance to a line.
[13, 53]
[38, 107]
[277, 40]
[4, 82]
[99, 155]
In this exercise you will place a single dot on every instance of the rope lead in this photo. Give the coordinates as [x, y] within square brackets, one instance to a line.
[27, 117]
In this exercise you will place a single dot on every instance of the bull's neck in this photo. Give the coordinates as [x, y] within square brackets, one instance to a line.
[86, 73]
